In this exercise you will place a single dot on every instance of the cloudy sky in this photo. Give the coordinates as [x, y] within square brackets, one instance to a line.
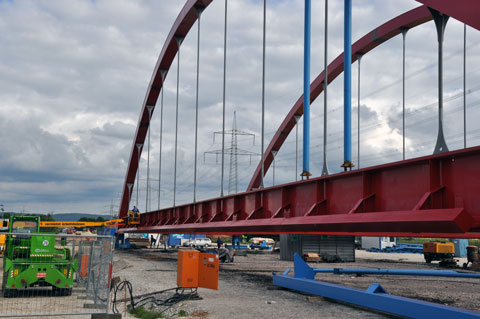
[73, 75]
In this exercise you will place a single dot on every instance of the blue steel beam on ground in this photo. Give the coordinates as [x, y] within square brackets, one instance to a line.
[303, 270]
[375, 297]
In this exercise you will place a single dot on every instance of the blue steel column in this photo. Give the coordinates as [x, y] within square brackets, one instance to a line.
[347, 87]
[306, 93]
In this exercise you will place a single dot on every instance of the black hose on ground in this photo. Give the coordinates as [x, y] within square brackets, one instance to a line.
[181, 294]
[123, 285]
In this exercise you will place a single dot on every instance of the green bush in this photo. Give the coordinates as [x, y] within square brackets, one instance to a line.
[142, 313]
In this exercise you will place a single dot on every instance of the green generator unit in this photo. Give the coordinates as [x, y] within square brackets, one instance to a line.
[31, 261]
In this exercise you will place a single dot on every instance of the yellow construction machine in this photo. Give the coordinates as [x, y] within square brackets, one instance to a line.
[132, 219]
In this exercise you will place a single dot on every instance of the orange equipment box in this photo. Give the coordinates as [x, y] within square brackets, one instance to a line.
[208, 271]
[187, 268]
[195, 269]
[439, 248]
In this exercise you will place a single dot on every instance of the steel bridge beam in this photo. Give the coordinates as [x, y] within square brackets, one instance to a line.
[431, 196]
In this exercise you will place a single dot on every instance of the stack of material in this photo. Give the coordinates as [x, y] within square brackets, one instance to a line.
[139, 242]
[310, 257]
[400, 248]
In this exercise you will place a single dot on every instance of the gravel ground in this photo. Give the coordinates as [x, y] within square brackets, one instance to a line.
[241, 294]
[246, 290]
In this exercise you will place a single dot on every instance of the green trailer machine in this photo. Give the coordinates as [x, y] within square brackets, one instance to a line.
[35, 259]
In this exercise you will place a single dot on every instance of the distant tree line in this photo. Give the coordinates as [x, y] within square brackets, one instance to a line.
[43, 217]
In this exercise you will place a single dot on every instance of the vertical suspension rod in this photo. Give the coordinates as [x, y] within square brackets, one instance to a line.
[325, 89]
[347, 87]
[404, 35]
[274, 154]
[150, 108]
[306, 91]
[440, 23]
[224, 92]
[263, 91]
[138, 174]
[163, 72]
[179, 42]
[297, 118]
[199, 13]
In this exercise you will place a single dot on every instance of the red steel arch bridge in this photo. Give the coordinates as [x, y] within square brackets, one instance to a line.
[430, 196]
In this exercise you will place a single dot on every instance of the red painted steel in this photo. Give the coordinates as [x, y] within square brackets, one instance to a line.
[467, 11]
[429, 196]
[180, 28]
[434, 195]
[182, 25]
[368, 42]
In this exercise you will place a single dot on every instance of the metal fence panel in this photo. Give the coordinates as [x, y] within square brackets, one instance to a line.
[51, 275]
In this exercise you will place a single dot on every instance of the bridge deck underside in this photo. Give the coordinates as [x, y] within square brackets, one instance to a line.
[432, 196]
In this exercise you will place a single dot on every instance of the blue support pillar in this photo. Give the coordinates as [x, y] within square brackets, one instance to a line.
[306, 93]
[347, 87]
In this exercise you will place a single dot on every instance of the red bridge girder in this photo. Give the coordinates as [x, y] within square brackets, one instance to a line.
[431, 196]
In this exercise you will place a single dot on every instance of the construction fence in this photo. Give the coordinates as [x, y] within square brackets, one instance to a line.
[53, 275]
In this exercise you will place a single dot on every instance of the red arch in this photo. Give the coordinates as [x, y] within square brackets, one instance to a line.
[187, 18]
[466, 11]
[180, 28]
[367, 43]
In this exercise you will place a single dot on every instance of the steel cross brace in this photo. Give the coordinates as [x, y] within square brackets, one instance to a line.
[375, 297]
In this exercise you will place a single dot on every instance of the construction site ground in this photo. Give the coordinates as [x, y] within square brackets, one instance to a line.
[246, 290]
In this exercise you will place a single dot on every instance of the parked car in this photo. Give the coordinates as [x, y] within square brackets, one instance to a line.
[198, 242]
